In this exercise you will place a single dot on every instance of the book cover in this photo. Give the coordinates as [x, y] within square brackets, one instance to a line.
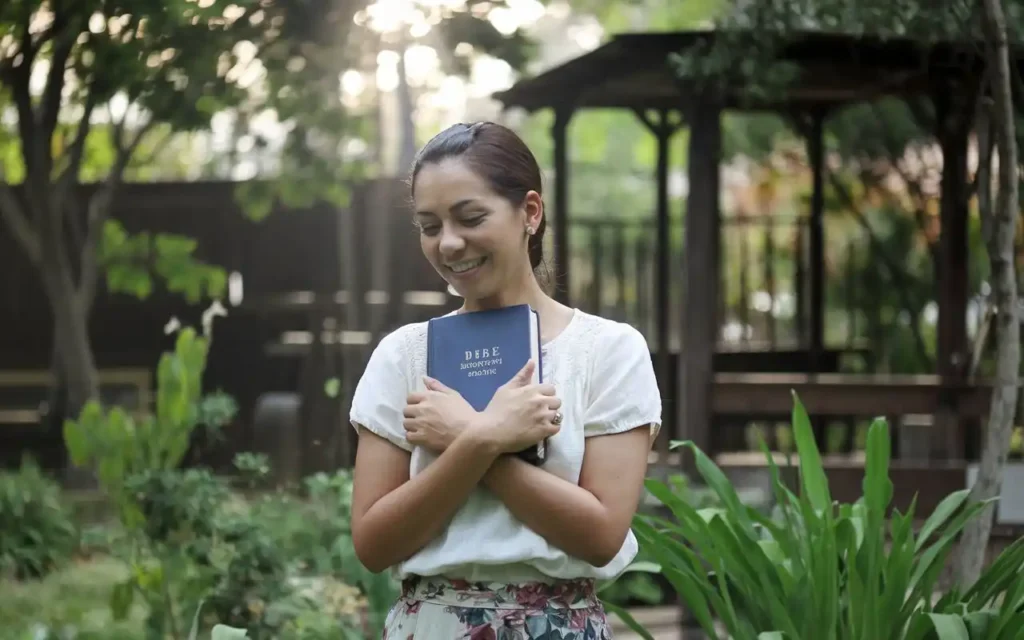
[475, 353]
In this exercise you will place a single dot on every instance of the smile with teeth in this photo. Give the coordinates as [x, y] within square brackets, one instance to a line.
[466, 265]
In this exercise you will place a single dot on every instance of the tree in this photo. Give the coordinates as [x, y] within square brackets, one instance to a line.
[1000, 224]
[136, 72]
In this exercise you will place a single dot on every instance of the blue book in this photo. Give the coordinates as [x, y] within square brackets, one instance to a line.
[475, 353]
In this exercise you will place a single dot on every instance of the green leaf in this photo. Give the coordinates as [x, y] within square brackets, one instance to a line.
[628, 620]
[194, 632]
[949, 627]
[331, 387]
[877, 487]
[979, 622]
[719, 483]
[938, 518]
[224, 632]
[121, 597]
[812, 472]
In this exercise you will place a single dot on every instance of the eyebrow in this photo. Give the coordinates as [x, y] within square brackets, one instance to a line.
[455, 208]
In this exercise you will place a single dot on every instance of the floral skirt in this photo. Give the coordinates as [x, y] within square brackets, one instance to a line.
[442, 609]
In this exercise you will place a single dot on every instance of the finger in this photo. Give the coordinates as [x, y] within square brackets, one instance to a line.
[435, 385]
[415, 398]
[524, 376]
[554, 402]
[410, 411]
[546, 389]
[409, 425]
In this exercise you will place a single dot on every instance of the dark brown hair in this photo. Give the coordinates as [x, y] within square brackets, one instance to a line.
[497, 155]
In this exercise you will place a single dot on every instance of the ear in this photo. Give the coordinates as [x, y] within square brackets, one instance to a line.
[533, 207]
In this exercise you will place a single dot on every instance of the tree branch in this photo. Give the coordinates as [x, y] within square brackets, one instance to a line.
[899, 278]
[892, 150]
[100, 204]
[69, 174]
[12, 213]
[983, 178]
[54, 89]
[20, 77]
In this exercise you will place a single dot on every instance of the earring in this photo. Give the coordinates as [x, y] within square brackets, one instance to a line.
[530, 231]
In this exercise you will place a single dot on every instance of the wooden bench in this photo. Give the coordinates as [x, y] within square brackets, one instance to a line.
[770, 395]
[24, 393]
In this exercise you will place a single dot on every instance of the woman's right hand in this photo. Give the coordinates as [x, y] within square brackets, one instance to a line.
[521, 414]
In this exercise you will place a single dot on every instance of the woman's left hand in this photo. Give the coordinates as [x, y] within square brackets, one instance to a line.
[434, 418]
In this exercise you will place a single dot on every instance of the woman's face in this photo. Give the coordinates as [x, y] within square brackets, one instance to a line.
[474, 238]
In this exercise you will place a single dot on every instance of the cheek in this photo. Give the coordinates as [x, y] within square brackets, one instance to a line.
[428, 246]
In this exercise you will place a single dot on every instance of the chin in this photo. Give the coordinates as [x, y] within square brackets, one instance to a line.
[470, 292]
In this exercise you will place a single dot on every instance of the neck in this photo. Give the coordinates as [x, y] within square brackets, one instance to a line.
[528, 291]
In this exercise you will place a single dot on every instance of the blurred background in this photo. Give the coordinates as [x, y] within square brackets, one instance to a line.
[204, 231]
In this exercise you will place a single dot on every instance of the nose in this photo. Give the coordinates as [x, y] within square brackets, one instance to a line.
[451, 243]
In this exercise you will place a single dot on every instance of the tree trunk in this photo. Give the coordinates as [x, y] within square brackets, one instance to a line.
[79, 365]
[1000, 243]
[72, 348]
[78, 373]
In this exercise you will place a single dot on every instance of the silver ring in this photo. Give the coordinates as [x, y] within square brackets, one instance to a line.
[557, 419]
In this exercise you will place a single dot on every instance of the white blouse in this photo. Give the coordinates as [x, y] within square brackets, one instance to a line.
[601, 370]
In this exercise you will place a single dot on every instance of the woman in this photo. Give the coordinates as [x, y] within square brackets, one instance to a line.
[487, 545]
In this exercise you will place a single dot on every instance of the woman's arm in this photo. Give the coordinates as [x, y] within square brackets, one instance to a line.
[394, 516]
[588, 521]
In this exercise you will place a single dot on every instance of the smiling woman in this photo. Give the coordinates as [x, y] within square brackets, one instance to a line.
[488, 545]
[469, 183]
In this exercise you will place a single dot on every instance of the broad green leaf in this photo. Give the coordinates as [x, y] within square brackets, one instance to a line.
[877, 485]
[949, 627]
[812, 473]
[121, 597]
[979, 622]
[943, 511]
[720, 484]
[224, 632]
[1005, 569]
[644, 567]
[628, 620]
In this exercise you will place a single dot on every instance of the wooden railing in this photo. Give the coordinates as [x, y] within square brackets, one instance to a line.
[764, 280]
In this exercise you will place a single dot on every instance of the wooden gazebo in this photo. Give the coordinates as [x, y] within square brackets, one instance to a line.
[633, 71]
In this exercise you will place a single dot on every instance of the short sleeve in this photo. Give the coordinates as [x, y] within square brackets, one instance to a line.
[380, 395]
[624, 392]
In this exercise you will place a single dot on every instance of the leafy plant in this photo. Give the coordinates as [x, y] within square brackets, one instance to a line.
[824, 570]
[119, 445]
[37, 533]
[316, 534]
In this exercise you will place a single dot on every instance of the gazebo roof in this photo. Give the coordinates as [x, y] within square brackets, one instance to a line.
[633, 71]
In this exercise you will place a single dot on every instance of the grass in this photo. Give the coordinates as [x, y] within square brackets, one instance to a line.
[77, 596]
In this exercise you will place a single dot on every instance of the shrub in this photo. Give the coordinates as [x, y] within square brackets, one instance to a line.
[824, 570]
[175, 504]
[37, 533]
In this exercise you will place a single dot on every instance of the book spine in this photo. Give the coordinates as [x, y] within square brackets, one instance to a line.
[430, 349]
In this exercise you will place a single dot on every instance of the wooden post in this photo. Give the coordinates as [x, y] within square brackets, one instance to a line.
[663, 127]
[815, 153]
[559, 134]
[701, 281]
[954, 107]
[816, 257]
